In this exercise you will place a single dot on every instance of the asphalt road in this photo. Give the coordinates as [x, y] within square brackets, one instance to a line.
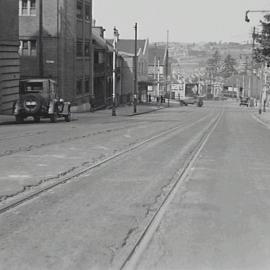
[219, 218]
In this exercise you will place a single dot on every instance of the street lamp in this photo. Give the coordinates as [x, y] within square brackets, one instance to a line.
[254, 11]
[116, 37]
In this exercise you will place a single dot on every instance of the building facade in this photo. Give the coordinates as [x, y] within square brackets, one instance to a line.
[103, 70]
[126, 49]
[9, 60]
[56, 42]
[158, 68]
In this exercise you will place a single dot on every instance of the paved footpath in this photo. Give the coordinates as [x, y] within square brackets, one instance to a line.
[264, 117]
[126, 110]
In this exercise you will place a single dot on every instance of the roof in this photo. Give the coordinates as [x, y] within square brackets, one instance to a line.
[127, 46]
[98, 39]
[158, 53]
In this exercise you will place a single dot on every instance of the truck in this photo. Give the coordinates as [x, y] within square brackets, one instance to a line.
[192, 95]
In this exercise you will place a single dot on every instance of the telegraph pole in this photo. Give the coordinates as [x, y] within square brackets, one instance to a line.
[135, 73]
[40, 39]
[158, 78]
[116, 35]
[167, 66]
[252, 62]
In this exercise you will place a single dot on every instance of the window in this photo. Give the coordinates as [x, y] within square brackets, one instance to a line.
[24, 8]
[25, 49]
[79, 10]
[87, 49]
[79, 49]
[86, 89]
[32, 7]
[27, 7]
[99, 57]
[96, 57]
[28, 48]
[79, 87]
[33, 47]
[87, 12]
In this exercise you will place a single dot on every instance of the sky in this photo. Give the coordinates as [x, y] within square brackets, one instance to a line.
[186, 20]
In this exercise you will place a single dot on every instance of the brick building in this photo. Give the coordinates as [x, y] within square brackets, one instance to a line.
[9, 60]
[56, 42]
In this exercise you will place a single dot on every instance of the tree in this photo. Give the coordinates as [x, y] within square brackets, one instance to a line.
[262, 52]
[228, 68]
[213, 65]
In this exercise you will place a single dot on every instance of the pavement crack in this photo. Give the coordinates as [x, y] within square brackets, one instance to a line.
[153, 206]
[39, 183]
[32, 147]
[125, 240]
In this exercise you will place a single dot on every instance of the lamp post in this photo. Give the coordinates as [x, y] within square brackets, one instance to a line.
[135, 72]
[116, 36]
[254, 11]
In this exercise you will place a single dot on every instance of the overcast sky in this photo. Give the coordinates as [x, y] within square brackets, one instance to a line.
[186, 20]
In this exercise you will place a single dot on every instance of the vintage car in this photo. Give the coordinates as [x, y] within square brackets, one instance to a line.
[38, 99]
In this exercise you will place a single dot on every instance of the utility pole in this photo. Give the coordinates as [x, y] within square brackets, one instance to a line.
[116, 36]
[243, 85]
[158, 78]
[135, 73]
[252, 62]
[40, 39]
[167, 66]
[155, 72]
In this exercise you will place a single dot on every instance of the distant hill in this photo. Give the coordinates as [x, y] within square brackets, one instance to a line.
[190, 57]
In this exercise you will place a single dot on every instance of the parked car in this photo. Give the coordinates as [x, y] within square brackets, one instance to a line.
[244, 101]
[38, 99]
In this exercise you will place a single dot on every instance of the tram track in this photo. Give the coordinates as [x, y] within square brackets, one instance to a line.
[132, 259]
[31, 192]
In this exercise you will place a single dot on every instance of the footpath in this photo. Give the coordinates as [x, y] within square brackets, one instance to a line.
[125, 110]
[264, 117]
